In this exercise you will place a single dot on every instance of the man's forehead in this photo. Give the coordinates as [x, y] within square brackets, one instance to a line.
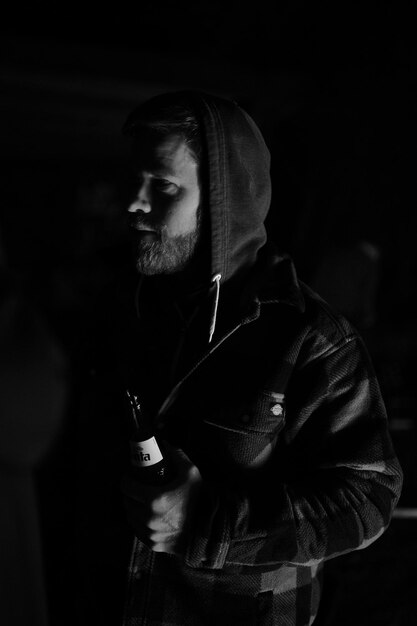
[162, 154]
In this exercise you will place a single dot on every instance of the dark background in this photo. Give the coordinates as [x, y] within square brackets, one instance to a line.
[331, 85]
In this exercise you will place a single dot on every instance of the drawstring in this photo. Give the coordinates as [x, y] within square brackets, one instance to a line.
[216, 279]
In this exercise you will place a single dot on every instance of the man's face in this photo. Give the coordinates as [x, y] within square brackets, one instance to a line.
[164, 213]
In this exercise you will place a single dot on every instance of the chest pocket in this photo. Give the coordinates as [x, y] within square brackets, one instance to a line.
[245, 433]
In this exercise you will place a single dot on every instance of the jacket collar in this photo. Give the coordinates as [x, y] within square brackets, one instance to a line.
[275, 282]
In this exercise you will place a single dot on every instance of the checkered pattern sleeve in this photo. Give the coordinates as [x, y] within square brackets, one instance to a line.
[332, 484]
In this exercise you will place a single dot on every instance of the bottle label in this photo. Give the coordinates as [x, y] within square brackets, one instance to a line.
[145, 453]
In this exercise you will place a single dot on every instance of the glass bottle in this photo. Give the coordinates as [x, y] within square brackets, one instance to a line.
[146, 456]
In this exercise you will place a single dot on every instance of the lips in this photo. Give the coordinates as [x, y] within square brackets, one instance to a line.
[148, 231]
[142, 235]
[142, 228]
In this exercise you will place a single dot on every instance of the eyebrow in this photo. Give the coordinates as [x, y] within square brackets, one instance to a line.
[162, 172]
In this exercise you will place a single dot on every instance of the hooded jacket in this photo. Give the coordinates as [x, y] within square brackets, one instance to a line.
[277, 404]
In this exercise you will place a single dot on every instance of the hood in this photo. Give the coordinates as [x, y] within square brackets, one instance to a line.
[238, 183]
[236, 188]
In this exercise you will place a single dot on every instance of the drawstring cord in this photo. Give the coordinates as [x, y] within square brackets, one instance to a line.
[216, 280]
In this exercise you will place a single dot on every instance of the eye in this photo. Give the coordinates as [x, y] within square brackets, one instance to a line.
[165, 186]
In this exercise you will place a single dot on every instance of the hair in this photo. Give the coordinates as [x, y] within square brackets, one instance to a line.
[163, 115]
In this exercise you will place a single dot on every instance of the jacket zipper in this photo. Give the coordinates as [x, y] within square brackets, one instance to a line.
[169, 399]
[172, 394]
[166, 403]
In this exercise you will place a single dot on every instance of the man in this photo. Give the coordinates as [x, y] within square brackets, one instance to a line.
[264, 401]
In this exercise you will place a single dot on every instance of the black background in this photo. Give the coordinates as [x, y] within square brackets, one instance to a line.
[330, 84]
[332, 87]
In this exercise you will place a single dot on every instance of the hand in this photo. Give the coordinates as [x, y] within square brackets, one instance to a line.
[160, 515]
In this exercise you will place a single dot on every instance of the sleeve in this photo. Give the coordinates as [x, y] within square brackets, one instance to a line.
[331, 485]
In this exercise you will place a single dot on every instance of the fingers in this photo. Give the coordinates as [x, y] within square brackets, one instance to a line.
[160, 514]
[155, 515]
[159, 534]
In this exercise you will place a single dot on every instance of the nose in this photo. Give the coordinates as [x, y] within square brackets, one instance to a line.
[142, 202]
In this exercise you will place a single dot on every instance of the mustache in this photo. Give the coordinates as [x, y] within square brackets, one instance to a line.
[140, 224]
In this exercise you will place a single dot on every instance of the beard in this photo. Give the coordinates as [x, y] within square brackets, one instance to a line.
[158, 253]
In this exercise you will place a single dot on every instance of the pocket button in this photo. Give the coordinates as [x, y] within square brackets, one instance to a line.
[277, 409]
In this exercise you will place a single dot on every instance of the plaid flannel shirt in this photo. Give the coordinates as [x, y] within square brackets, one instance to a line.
[285, 420]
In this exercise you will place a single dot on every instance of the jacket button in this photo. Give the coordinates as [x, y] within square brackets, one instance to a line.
[245, 418]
